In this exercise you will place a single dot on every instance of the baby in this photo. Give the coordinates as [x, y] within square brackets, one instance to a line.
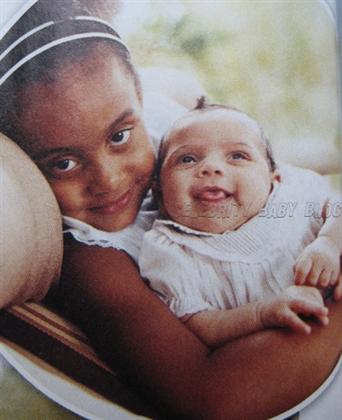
[240, 244]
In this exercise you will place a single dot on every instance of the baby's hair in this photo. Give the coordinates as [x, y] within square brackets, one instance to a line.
[202, 106]
[44, 67]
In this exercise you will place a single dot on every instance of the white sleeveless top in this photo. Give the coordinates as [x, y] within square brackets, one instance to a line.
[194, 271]
[128, 239]
[159, 114]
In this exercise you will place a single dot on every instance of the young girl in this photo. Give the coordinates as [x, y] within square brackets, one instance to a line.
[233, 226]
[71, 98]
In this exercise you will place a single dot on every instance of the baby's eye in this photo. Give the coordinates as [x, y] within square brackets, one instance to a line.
[121, 137]
[237, 156]
[187, 159]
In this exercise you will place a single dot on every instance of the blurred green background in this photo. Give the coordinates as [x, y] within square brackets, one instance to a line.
[274, 59]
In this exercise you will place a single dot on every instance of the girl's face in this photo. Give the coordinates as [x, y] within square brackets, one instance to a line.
[215, 175]
[85, 132]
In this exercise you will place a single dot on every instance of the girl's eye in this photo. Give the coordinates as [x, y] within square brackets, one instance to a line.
[64, 165]
[121, 137]
[187, 159]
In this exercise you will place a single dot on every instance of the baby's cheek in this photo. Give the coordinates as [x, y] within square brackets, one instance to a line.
[171, 198]
[254, 195]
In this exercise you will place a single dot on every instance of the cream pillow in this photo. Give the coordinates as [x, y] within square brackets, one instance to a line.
[31, 241]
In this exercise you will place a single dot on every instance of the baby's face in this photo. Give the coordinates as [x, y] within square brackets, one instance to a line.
[215, 175]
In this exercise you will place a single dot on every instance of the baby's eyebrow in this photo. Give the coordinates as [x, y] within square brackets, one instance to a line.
[181, 149]
[241, 143]
[194, 147]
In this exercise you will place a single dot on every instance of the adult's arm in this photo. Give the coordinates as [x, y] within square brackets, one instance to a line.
[257, 376]
[317, 155]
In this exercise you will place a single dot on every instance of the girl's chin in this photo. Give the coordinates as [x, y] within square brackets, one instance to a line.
[114, 224]
[108, 222]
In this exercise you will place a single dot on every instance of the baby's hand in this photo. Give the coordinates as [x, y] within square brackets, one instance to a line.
[284, 309]
[319, 264]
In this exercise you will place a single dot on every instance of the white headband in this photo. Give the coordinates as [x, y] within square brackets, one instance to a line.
[102, 30]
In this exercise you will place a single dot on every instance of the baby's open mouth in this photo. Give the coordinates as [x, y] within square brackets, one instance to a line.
[212, 194]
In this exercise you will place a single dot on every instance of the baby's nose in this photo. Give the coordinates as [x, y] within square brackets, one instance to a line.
[212, 167]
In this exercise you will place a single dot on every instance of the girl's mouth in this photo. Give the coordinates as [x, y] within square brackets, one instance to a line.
[114, 206]
[212, 194]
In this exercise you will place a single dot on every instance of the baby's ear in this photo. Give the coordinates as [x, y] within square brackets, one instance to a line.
[276, 175]
[156, 191]
[158, 196]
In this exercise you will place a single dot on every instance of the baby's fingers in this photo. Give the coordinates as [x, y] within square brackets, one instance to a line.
[301, 270]
[308, 308]
[292, 320]
[314, 275]
[325, 278]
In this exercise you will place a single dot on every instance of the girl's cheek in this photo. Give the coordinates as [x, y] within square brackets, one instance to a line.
[139, 159]
[67, 193]
[61, 193]
[145, 158]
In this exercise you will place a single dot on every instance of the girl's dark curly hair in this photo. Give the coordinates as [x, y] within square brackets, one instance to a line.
[44, 67]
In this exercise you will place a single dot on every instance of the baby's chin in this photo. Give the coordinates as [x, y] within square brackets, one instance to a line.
[215, 225]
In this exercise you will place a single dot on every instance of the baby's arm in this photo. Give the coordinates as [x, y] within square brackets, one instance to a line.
[319, 263]
[219, 326]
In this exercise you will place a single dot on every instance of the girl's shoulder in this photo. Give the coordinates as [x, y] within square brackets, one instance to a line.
[128, 239]
[79, 256]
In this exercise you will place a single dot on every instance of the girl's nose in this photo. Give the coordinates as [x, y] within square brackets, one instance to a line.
[211, 167]
[103, 179]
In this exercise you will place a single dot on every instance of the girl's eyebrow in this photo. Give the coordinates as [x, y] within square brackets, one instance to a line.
[71, 150]
[125, 114]
[57, 150]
